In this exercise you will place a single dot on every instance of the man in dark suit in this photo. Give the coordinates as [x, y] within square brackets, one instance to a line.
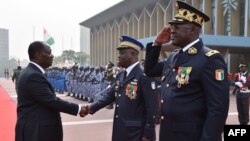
[195, 89]
[38, 108]
[135, 110]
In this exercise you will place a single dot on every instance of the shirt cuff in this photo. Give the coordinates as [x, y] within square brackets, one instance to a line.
[79, 109]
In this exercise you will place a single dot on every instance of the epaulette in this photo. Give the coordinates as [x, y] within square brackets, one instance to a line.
[211, 53]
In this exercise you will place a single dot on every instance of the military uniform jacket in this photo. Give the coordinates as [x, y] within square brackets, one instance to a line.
[195, 96]
[135, 106]
[38, 108]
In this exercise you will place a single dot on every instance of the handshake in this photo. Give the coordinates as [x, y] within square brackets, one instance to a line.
[85, 110]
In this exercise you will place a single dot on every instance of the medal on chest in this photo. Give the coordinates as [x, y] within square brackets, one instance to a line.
[183, 76]
[131, 89]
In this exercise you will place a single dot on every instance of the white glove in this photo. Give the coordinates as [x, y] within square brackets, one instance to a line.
[243, 79]
[239, 84]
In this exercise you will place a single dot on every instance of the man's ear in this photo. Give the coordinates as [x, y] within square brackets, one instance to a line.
[38, 56]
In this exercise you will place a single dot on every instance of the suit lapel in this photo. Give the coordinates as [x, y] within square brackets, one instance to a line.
[183, 58]
[132, 74]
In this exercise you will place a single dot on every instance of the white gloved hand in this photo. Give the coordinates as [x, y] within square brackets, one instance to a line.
[239, 84]
[243, 79]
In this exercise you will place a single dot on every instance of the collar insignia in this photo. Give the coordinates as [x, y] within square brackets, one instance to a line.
[192, 51]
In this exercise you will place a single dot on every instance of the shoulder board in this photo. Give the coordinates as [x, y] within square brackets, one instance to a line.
[211, 53]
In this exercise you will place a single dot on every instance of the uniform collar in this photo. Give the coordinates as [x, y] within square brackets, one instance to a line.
[190, 45]
[129, 69]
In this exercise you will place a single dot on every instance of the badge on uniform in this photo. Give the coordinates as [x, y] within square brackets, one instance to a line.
[131, 89]
[183, 75]
[192, 51]
[153, 85]
[219, 74]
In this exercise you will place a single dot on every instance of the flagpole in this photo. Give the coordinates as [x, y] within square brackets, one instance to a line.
[71, 41]
[33, 32]
[62, 44]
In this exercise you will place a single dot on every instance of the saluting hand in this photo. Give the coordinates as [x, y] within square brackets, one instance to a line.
[163, 36]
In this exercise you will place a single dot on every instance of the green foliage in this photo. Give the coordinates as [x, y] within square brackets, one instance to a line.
[71, 56]
[82, 58]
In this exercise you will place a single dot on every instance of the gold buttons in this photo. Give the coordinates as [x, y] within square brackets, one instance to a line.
[174, 70]
[119, 95]
[117, 105]
[116, 116]
[162, 117]
[167, 85]
[162, 101]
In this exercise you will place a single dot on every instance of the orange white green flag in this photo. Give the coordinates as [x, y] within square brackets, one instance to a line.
[47, 38]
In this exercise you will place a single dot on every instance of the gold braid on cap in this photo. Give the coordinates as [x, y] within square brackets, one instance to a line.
[130, 44]
[189, 16]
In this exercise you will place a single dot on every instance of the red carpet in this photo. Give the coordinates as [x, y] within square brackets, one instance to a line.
[7, 116]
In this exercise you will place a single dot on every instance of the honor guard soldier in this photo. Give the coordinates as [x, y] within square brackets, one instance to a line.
[194, 88]
[242, 83]
[133, 96]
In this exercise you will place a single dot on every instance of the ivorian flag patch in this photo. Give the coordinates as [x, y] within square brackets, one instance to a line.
[219, 74]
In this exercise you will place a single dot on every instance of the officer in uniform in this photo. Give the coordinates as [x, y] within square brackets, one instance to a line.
[242, 83]
[16, 75]
[133, 96]
[194, 89]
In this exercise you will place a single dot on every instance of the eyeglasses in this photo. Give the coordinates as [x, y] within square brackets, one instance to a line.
[179, 26]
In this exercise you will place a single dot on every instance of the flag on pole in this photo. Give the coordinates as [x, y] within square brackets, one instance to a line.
[47, 37]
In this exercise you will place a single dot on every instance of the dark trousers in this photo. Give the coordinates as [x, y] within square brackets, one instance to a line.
[243, 109]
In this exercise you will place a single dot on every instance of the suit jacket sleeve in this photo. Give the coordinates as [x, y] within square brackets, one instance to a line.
[104, 101]
[152, 68]
[42, 92]
[217, 98]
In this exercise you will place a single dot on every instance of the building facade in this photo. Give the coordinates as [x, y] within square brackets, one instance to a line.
[4, 50]
[227, 31]
[85, 40]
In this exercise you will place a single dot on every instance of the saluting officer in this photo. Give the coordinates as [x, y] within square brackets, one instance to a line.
[133, 96]
[195, 89]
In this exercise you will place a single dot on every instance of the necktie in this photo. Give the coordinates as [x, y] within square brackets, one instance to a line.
[124, 75]
[176, 57]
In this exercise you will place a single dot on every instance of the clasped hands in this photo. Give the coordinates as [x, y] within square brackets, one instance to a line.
[243, 79]
[85, 110]
[239, 84]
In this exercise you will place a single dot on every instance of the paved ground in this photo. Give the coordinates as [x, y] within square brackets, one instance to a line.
[96, 127]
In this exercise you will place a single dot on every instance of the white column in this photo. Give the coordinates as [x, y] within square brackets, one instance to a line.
[246, 17]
